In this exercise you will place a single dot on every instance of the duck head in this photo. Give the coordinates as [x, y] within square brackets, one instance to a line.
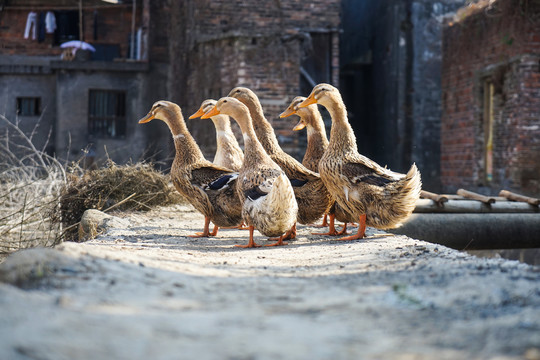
[245, 95]
[227, 106]
[162, 110]
[324, 94]
[293, 109]
[206, 106]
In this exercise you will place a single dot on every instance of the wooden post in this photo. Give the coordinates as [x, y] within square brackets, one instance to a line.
[81, 30]
[475, 196]
[439, 199]
[133, 13]
[517, 197]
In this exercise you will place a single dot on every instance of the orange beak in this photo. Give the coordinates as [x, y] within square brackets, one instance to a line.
[299, 126]
[310, 100]
[213, 112]
[287, 113]
[147, 118]
[199, 113]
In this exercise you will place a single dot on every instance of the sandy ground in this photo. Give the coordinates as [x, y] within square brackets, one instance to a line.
[146, 291]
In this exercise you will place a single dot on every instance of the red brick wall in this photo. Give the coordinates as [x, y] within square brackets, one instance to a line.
[113, 27]
[257, 44]
[504, 46]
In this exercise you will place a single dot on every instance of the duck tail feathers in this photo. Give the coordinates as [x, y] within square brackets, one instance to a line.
[404, 200]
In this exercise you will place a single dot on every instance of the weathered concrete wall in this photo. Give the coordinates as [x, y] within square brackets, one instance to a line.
[503, 49]
[72, 103]
[21, 78]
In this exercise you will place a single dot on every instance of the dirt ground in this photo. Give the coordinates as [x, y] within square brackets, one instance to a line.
[144, 290]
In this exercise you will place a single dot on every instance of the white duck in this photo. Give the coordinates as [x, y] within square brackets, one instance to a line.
[269, 204]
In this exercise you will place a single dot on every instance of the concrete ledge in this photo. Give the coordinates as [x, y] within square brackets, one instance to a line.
[475, 231]
[127, 66]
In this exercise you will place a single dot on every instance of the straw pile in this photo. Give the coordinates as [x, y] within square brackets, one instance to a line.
[126, 187]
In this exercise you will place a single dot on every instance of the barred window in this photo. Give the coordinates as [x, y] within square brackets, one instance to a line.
[107, 113]
[28, 106]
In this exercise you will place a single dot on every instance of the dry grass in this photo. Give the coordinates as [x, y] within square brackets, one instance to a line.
[30, 183]
[127, 187]
[42, 200]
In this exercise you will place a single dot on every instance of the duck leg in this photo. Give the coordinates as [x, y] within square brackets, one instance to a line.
[289, 235]
[324, 221]
[279, 242]
[251, 243]
[242, 226]
[206, 231]
[332, 228]
[361, 229]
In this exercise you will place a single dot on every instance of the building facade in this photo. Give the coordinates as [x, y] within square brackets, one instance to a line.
[88, 103]
[490, 128]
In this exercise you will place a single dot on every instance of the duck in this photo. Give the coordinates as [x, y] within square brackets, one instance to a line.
[312, 196]
[369, 193]
[210, 188]
[266, 193]
[317, 143]
[228, 152]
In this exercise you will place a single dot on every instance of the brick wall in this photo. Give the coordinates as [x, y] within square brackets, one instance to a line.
[257, 44]
[504, 47]
[113, 25]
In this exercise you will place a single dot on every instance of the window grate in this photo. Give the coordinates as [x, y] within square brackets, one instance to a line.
[107, 114]
[28, 106]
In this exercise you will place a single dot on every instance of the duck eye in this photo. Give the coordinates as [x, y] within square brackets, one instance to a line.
[224, 101]
[237, 90]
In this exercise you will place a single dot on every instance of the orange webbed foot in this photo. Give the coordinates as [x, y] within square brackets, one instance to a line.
[251, 243]
[280, 242]
[361, 233]
[206, 231]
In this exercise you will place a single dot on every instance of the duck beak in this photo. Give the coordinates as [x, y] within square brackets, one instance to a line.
[213, 112]
[299, 126]
[199, 113]
[287, 113]
[147, 118]
[310, 100]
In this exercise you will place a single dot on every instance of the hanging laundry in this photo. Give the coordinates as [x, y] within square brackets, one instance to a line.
[31, 24]
[50, 22]
[41, 27]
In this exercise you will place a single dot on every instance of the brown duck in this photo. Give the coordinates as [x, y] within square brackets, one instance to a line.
[228, 152]
[211, 189]
[368, 192]
[311, 194]
[317, 143]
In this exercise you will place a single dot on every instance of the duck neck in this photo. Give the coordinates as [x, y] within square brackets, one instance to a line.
[224, 134]
[263, 129]
[187, 150]
[317, 141]
[341, 135]
[254, 152]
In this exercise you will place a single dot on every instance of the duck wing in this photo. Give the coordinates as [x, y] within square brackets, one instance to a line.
[297, 173]
[362, 170]
[261, 184]
[210, 177]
